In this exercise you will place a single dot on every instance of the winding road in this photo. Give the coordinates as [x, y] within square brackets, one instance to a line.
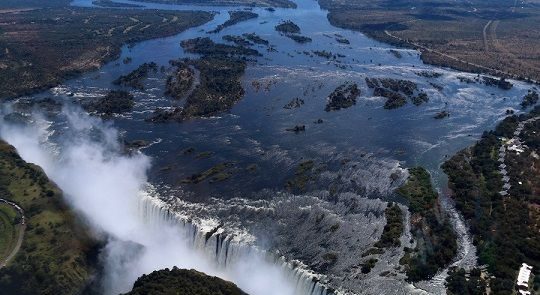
[22, 228]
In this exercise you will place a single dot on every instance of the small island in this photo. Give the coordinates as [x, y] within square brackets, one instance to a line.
[235, 17]
[205, 46]
[292, 31]
[288, 27]
[114, 102]
[397, 91]
[136, 77]
[344, 96]
[219, 89]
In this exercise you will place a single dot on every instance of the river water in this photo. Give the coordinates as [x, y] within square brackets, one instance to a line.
[360, 152]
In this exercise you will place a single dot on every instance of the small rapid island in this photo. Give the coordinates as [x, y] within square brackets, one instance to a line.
[396, 92]
[291, 30]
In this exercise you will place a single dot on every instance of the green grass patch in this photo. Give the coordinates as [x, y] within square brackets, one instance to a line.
[418, 190]
[56, 254]
[393, 229]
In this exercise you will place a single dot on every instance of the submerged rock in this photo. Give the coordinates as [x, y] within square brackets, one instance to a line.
[297, 128]
[294, 103]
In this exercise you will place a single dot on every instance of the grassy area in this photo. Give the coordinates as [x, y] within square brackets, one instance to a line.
[435, 239]
[56, 255]
[8, 230]
[505, 229]
[419, 191]
[494, 34]
[42, 47]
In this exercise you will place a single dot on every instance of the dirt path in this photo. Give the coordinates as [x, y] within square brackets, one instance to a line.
[484, 35]
[22, 228]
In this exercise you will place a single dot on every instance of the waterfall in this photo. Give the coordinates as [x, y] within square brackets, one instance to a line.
[225, 249]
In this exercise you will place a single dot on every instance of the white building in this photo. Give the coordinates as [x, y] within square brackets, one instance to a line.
[523, 276]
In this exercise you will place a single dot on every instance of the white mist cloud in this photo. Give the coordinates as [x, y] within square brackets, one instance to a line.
[105, 186]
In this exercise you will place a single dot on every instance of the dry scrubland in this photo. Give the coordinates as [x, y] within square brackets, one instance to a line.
[475, 36]
[40, 48]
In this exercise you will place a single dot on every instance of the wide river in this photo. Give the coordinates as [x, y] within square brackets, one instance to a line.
[359, 153]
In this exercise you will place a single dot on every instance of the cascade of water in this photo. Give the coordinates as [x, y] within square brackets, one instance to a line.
[224, 249]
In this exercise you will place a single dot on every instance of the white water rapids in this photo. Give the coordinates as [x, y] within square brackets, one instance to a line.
[109, 190]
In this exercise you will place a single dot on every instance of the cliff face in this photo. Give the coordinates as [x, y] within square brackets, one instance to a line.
[182, 281]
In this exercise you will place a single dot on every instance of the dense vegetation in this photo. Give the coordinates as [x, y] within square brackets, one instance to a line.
[218, 91]
[288, 27]
[393, 229]
[505, 229]
[459, 283]
[205, 46]
[220, 69]
[115, 102]
[181, 81]
[56, 255]
[435, 240]
[181, 281]
[291, 30]
[530, 99]
[42, 47]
